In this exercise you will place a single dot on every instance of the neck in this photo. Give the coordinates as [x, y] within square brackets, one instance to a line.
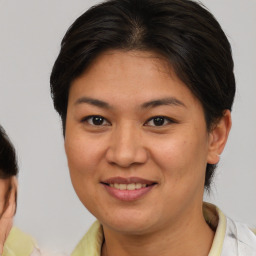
[186, 238]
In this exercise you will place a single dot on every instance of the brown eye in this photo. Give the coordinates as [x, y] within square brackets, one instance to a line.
[96, 120]
[158, 121]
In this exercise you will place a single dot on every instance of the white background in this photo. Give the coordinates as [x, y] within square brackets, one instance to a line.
[30, 35]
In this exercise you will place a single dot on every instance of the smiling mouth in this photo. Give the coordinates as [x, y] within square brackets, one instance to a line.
[128, 192]
[128, 189]
[131, 186]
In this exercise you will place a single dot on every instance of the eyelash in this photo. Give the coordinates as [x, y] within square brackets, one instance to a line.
[163, 121]
[89, 120]
[166, 121]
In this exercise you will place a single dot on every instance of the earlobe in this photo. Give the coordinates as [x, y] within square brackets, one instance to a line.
[218, 138]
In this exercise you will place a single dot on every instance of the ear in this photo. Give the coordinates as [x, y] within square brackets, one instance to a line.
[9, 197]
[13, 194]
[7, 213]
[218, 138]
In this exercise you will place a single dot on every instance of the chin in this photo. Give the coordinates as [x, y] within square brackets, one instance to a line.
[132, 224]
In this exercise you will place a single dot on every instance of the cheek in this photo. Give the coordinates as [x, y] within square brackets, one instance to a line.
[82, 161]
[82, 154]
[181, 156]
[174, 151]
[182, 168]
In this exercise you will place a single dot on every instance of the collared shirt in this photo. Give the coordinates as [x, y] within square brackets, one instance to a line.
[20, 244]
[231, 238]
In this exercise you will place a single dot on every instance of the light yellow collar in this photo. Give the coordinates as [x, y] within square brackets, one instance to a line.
[217, 220]
[91, 243]
[18, 244]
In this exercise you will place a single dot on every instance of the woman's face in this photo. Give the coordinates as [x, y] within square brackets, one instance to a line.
[136, 143]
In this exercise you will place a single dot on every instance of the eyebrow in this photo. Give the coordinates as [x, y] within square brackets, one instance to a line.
[164, 101]
[94, 102]
[150, 104]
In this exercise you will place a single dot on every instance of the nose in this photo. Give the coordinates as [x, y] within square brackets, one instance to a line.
[126, 147]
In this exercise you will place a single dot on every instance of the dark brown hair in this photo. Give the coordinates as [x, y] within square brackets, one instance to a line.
[8, 162]
[182, 31]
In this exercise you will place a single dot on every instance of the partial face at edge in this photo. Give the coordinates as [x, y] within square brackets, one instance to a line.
[131, 120]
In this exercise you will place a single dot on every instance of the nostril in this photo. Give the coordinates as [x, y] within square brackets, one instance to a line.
[121, 157]
[126, 156]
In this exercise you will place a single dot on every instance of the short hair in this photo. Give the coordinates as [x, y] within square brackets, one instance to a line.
[8, 161]
[184, 32]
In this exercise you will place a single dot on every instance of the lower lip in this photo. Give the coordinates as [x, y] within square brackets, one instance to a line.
[128, 195]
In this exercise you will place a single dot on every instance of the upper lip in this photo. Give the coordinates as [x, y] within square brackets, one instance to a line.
[130, 180]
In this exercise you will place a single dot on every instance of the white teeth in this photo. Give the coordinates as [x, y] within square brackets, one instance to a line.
[122, 186]
[116, 185]
[138, 185]
[132, 186]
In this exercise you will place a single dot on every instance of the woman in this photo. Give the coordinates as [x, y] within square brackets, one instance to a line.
[12, 240]
[8, 186]
[145, 90]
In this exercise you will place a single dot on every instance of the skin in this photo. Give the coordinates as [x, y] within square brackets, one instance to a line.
[8, 190]
[128, 144]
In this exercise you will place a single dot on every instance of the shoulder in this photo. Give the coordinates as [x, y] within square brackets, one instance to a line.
[231, 238]
[239, 236]
[19, 243]
[245, 235]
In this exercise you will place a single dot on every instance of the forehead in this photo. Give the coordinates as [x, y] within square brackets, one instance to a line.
[153, 60]
[129, 76]
[116, 64]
